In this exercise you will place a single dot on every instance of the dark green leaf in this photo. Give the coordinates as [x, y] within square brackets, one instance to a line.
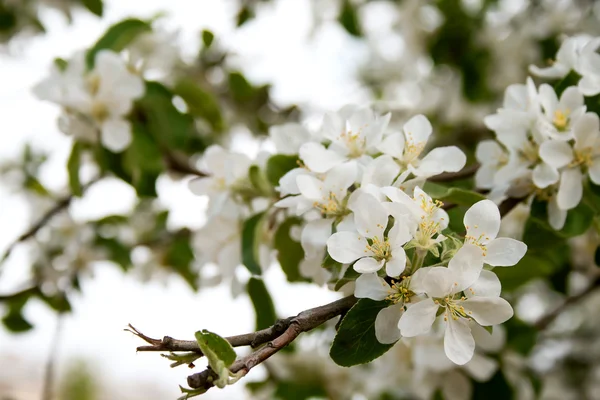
[143, 154]
[214, 345]
[597, 256]
[251, 238]
[262, 302]
[244, 15]
[571, 79]
[497, 388]
[348, 18]
[454, 195]
[15, 322]
[200, 102]
[349, 276]
[73, 167]
[290, 390]
[117, 38]
[355, 342]
[259, 181]
[95, 6]
[117, 251]
[279, 165]
[180, 257]
[289, 251]
[240, 88]
[58, 302]
[207, 38]
[166, 124]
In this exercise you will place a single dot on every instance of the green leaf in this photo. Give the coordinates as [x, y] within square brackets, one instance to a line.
[262, 302]
[251, 239]
[117, 251]
[240, 88]
[259, 181]
[189, 393]
[289, 251]
[571, 79]
[349, 276]
[579, 219]
[207, 38]
[454, 195]
[497, 388]
[279, 165]
[180, 257]
[215, 348]
[537, 263]
[200, 102]
[348, 18]
[244, 15]
[597, 256]
[143, 153]
[15, 322]
[94, 6]
[117, 38]
[355, 342]
[166, 124]
[73, 167]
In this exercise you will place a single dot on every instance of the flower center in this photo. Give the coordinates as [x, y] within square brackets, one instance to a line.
[331, 206]
[399, 291]
[99, 111]
[413, 149]
[428, 226]
[379, 247]
[561, 119]
[453, 308]
[354, 143]
[582, 157]
[478, 241]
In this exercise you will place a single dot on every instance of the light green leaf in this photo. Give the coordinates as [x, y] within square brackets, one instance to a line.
[200, 102]
[454, 195]
[215, 348]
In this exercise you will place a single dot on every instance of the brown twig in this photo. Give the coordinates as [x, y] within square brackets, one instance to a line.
[60, 205]
[545, 321]
[175, 164]
[303, 322]
[464, 173]
[253, 339]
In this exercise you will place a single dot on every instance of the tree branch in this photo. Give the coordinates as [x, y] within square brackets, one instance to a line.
[303, 322]
[175, 164]
[545, 321]
[464, 173]
[60, 205]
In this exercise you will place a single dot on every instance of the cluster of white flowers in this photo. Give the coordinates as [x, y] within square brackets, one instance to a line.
[546, 145]
[352, 189]
[95, 103]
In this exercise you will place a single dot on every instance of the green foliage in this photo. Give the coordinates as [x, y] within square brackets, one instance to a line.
[453, 195]
[180, 257]
[350, 275]
[117, 37]
[259, 181]
[355, 342]
[118, 252]
[262, 302]
[521, 337]
[290, 390]
[289, 251]
[94, 6]
[200, 102]
[14, 320]
[207, 38]
[348, 18]
[73, 166]
[251, 239]
[215, 348]
[78, 383]
[279, 165]
[497, 388]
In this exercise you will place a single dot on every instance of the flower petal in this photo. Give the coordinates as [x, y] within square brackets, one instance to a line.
[481, 368]
[116, 134]
[556, 154]
[418, 318]
[346, 247]
[482, 221]
[417, 129]
[370, 216]
[441, 159]
[396, 265]
[315, 235]
[466, 266]
[487, 285]
[310, 187]
[459, 344]
[367, 265]
[504, 252]
[371, 286]
[386, 324]
[570, 189]
[488, 310]
[319, 159]
[556, 216]
[544, 175]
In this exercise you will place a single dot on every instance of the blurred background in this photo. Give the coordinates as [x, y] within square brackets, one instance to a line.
[449, 59]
